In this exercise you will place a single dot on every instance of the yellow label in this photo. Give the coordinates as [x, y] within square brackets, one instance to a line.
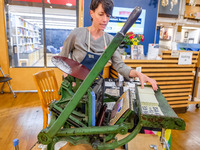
[121, 24]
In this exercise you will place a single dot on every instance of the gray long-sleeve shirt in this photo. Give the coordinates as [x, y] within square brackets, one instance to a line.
[76, 45]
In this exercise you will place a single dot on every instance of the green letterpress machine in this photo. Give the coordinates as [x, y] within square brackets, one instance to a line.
[77, 117]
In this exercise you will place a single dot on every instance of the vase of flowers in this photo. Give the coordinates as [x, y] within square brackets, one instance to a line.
[132, 40]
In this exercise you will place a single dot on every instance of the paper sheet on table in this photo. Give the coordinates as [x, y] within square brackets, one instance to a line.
[148, 99]
[147, 96]
[112, 91]
[110, 84]
[146, 90]
[110, 105]
[151, 110]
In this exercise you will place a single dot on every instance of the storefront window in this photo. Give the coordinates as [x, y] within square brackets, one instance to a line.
[29, 45]
[58, 25]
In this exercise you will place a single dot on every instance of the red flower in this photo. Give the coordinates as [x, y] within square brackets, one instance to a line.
[131, 37]
[142, 38]
[129, 33]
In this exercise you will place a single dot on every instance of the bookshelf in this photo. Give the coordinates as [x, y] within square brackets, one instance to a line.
[26, 39]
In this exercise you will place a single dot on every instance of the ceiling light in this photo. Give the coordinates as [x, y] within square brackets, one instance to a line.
[191, 28]
[69, 4]
[46, 16]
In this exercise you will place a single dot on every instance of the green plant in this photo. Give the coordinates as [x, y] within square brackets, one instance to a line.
[124, 53]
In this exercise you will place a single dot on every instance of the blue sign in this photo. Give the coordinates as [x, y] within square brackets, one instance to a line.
[120, 15]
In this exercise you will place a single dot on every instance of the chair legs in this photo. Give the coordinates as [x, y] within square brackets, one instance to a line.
[7, 83]
[45, 119]
[9, 87]
[11, 90]
[2, 87]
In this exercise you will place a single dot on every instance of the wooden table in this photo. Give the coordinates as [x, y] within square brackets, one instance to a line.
[142, 142]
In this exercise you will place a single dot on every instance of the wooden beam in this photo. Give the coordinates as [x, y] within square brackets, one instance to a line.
[176, 94]
[177, 98]
[176, 90]
[176, 86]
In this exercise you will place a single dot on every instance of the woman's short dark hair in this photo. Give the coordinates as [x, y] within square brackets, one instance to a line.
[106, 4]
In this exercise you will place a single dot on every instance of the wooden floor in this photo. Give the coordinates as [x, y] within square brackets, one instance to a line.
[21, 118]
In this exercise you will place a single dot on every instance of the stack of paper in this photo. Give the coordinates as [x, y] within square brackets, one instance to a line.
[149, 103]
[147, 96]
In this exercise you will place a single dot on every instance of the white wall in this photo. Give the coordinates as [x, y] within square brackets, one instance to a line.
[192, 33]
[179, 38]
[183, 34]
[199, 36]
[166, 44]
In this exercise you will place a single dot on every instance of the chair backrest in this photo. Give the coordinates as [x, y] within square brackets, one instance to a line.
[113, 72]
[47, 87]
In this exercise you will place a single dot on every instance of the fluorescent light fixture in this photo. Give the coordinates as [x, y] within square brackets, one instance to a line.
[59, 27]
[59, 24]
[47, 21]
[69, 4]
[47, 16]
[190, 28]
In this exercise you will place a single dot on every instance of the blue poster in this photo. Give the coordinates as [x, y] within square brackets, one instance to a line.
[120, 15]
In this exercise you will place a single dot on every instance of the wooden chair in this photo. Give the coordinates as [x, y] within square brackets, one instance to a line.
[47, 90]
[113, 72]
[4, 79]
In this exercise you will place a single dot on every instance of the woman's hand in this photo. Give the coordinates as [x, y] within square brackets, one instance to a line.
[143, 79]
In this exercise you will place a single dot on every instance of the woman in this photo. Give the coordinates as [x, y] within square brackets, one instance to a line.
[86, 44]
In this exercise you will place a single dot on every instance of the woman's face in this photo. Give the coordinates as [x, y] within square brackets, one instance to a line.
[100, 18]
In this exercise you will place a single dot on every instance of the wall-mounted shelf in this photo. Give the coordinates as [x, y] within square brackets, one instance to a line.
[192, 12]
